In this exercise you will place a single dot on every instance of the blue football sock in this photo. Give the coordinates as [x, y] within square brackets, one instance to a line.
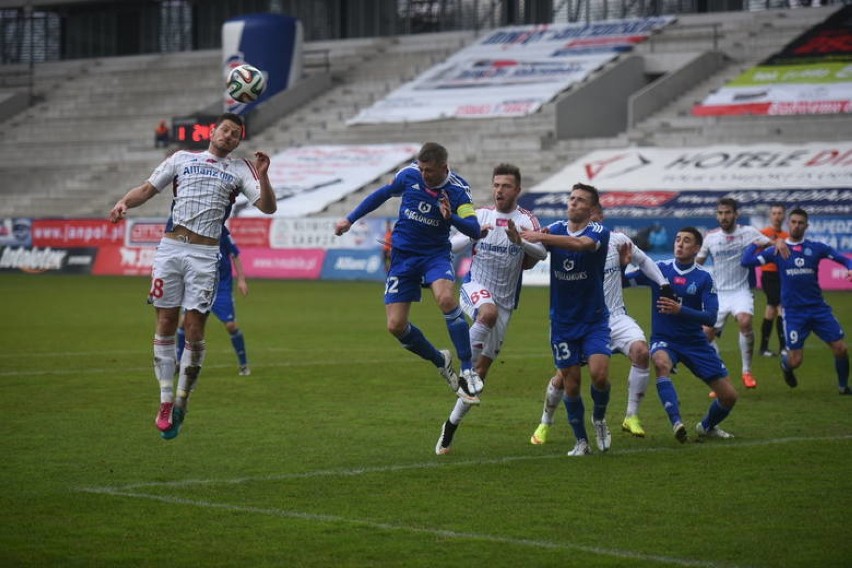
[668, 396]
[715, 414]
[414, 340]
[601, 400]
[576, 413]
[841, 364]
[460, 336]
[181, 342]
[239, 343]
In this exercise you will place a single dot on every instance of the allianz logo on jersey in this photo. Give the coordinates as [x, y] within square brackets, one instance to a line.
[511, 249]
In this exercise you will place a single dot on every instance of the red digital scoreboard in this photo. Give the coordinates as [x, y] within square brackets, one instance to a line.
[195, 131]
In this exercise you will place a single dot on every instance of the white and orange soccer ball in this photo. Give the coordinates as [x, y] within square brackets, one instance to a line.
[245, 83]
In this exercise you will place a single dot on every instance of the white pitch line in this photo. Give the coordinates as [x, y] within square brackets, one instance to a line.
[443, 533]
[266, 365]
[125, 491]
[441, 462]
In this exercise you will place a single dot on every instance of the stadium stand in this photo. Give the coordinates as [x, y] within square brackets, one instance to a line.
[89, 137]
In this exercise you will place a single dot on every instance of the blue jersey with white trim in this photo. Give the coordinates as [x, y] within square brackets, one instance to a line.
[694, 287]
[576, 278]
[421, 228]
[799, 273]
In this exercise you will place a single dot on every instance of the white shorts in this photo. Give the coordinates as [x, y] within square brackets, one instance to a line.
[184, 275]
[732, 303]
[472, 296]
[624, 332]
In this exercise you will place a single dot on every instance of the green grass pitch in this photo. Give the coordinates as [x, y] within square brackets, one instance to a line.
[325, 455]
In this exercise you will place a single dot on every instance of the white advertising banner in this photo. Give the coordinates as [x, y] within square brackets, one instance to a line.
[766, 166]
[306, 180]
[510, 72]
[824, 88]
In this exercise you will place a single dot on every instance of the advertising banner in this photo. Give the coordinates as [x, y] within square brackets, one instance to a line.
[353, 264]
[816, 165]
[250, 232]
[510, 72]
[300, 264]
[120, 260]
[16, 231]
[811, 75]
[695, 204]
[76, 232]
[38, 260]
[816, 88]
[310, 178]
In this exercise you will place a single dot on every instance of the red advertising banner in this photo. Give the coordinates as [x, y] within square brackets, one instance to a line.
[145, 232]
[250, 231]
[124, 261]
[282, 263]
[68, 233]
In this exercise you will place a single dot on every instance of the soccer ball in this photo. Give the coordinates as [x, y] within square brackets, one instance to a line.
[245, 83]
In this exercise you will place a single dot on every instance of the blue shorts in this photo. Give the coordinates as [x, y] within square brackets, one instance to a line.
[408, 273]
[700, 358]
[798, 325]
[574, 345]
[223, 304]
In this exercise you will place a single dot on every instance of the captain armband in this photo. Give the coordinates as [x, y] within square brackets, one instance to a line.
[465, 210]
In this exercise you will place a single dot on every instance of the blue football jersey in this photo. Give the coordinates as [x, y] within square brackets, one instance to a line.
[576, 278]
[696, 292]
[421, 227]
[799, 273]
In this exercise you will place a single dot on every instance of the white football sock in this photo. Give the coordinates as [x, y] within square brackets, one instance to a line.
[459, 410]
[551, 400]
[747, 350]
[190, 367]
[478, 336]
[165, 361]
[637, 384]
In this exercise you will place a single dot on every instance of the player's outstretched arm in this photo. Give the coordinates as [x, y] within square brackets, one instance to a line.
[648, 267]
[267, 202]
[751, 256]
[533, 252]
[370, 203]
[577, 244]
[133, 198]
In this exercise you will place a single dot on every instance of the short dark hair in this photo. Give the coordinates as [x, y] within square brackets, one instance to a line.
[799, 211]
[775, 204]
[591, 189]
[728, 202]
[694, 232]
[505, 169]
[432, 153]
[235, 118]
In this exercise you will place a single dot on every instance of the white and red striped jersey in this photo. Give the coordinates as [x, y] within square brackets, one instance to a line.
[204, 187]
[613, 294]
[498, 262]
[727, 251]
